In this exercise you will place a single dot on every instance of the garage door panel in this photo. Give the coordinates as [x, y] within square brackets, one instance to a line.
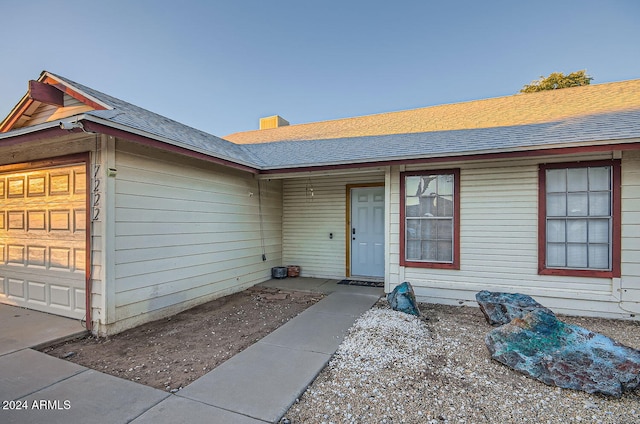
[15, 254]
[15, 221]
[36, 256]
[43, 239]
[37, 292]
[37, 220]
[16, 187]
[59, 183]
[16, 288]
[36, 185]
[60, 258]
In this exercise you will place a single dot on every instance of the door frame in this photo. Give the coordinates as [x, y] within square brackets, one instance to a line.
[347, 230]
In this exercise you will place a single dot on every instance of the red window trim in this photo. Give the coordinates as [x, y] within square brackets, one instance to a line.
[456, 220]
[616, 221]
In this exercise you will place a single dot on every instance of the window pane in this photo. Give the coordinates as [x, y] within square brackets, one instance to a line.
[428, 206]
[445, 251]
[429, 229]
[600, 178]
[429, 251]
[556, 205]
[577, 255]
[577, 204]
[600, 204]
[411, 186]
[556, 180]
[445, 185]
[556, 255]
[556, 230]
[413, 250]
[412, 207]
[599, 231]
[445, 229]
[577, 230]
[445, 205]
[599, 256]
[577, 179]
[413, 229]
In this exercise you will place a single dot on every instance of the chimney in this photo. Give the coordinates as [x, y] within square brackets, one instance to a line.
[274, 121]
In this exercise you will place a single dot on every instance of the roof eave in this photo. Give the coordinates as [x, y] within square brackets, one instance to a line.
[488, 154]
[99, 125]
[105, 126]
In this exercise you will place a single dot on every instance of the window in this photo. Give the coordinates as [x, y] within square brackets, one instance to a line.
[430, 219]
[580, 219]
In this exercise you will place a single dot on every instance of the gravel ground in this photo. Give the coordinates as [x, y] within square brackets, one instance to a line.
[395, 368]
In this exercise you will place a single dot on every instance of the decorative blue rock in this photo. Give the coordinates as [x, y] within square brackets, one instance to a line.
[500, 308]
[403, 299]
[565, 355]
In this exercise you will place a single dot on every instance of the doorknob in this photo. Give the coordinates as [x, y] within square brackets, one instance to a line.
[353, 231]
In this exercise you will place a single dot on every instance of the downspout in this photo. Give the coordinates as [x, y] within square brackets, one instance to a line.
[92, 201]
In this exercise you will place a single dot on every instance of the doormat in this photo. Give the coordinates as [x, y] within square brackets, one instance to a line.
[362, 283]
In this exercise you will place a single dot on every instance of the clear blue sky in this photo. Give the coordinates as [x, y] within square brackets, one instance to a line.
[221, 65]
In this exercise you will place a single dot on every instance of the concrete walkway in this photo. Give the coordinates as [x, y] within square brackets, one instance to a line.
[257, 385]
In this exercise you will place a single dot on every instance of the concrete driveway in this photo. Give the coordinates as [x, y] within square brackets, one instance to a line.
[24, 328]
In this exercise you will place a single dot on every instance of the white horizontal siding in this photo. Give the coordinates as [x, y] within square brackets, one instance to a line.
[630, 281]
[187, 233]
[308, 221]
[499, 244]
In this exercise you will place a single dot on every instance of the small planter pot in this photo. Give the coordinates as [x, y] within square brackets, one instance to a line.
[279, 272]
[293, 270]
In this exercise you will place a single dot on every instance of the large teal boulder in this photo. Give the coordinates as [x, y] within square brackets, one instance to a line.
[403, 299]
[565, 355]
[500, 308]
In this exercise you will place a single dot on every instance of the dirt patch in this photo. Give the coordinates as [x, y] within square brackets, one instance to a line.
[169, 354]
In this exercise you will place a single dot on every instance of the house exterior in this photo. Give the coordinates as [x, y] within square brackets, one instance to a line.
[115, 215]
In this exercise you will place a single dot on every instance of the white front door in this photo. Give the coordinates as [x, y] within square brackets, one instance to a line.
[367, 232]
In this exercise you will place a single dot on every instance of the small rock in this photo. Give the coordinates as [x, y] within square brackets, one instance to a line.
[68, 355]
[277, 296]
[403, 299]
[500, 308]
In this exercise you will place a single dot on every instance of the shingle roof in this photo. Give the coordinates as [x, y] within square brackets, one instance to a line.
[519, 109]
[135, 117]
[596, 114]
[591, 129]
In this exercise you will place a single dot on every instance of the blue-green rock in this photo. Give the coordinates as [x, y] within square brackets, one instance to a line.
[403, 299]
[565, 355]
[500, 308]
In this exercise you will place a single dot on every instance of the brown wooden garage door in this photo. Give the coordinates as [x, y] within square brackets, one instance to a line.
[43, 239]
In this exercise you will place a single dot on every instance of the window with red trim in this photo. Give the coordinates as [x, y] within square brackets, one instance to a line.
[430, 219]
[579, 228]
